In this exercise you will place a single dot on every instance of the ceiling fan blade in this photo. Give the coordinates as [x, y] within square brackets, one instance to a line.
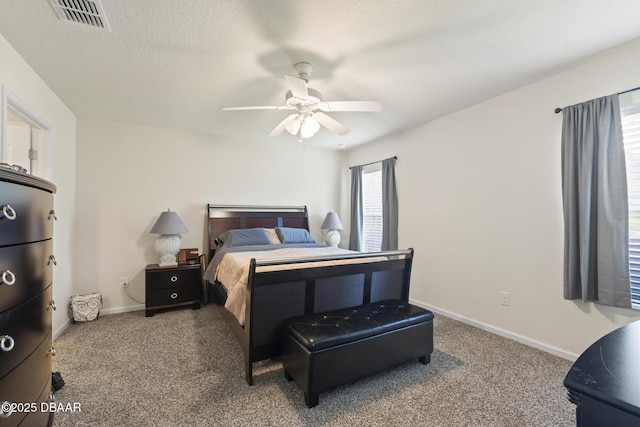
[283, 124]
[366, 106]
[298, 86]
[330, 123]
[259, 107]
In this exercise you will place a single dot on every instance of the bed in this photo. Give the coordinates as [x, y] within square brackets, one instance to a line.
[279, 279]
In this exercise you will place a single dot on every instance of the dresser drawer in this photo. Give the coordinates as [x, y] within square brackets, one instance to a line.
[40, 417]
[29, 268]
[23, 328]
[24, 383]
[32, 210]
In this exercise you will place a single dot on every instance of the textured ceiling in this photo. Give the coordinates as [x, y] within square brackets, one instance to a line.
[177, 63]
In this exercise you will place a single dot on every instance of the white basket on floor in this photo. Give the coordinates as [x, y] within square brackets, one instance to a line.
[84, 308]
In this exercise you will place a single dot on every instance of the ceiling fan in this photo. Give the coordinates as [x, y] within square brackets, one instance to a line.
[309, 107]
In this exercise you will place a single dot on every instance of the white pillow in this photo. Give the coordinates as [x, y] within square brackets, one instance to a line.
[273, 236]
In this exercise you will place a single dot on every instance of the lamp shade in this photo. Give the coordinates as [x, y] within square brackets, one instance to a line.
[331, 222]
[169, 223]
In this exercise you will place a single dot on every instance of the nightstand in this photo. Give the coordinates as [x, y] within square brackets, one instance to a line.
[167, 287]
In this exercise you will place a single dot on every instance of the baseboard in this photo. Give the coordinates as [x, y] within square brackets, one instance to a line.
[501, 332]
[61, 329]
[117, 310]
[480, 325]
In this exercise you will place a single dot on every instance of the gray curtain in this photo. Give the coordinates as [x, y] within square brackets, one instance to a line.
[389, 205]
[356, 209]
[595, 204]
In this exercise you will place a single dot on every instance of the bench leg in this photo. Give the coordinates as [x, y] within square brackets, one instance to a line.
[311, 399]
[425, 359]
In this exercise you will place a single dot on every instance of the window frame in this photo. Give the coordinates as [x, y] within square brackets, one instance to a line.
[42, 134]
[630, 121]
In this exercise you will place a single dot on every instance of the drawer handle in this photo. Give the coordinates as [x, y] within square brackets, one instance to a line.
[52, 213]
[9, 212]
[6, 343]
[174, 295]
[52, 304]
[6, 409]
[52, 259]
[52, 350]
[174, 278]
[8, 278]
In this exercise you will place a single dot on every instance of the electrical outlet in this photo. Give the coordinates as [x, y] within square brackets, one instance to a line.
[125, 281]
[505, 298]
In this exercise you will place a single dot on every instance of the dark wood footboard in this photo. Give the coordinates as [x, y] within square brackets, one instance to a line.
[275, 296]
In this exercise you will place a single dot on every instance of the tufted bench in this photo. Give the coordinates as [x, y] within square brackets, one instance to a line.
[326, 350]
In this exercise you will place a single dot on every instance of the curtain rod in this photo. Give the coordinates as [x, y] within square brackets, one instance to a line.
[559, 110]
[370, 163]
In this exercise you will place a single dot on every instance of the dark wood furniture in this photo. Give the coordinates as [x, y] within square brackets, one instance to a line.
[326, 350]
[221, 218]
[26, 260]
[169, 287]
[604, 383]
[275, 296]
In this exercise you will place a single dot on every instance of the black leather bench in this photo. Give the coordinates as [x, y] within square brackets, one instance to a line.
[326, 350]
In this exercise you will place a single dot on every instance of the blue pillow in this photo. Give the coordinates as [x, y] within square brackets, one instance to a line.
[244, 237]
[294, 235]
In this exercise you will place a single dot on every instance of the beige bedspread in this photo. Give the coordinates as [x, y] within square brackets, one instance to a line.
[233, 270]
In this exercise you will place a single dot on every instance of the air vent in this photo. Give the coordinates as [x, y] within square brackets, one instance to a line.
[87, 12]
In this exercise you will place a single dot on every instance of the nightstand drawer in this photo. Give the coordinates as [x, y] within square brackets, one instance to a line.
[171, 296]
[168, 287]
[172, 278]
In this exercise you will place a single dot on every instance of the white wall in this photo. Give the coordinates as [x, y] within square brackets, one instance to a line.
[128, 174]
[480, 201]
[18, 76]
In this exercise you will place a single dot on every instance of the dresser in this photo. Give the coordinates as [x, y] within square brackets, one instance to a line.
[26, 264]
[169, 287]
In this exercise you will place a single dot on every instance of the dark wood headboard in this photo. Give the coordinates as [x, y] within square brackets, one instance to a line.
[230, 217]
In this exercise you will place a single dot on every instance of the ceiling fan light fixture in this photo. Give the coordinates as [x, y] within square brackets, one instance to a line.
[309, 127]
[294, 126]
[308, 107]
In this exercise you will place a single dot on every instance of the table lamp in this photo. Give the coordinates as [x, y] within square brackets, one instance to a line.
[169, 226]
[333, 226]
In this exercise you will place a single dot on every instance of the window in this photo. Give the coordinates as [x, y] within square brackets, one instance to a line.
[372, 208]
[18, 146]
[630, 111]
[26, 137]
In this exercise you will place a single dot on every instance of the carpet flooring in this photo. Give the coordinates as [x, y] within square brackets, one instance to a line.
[184, 368]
